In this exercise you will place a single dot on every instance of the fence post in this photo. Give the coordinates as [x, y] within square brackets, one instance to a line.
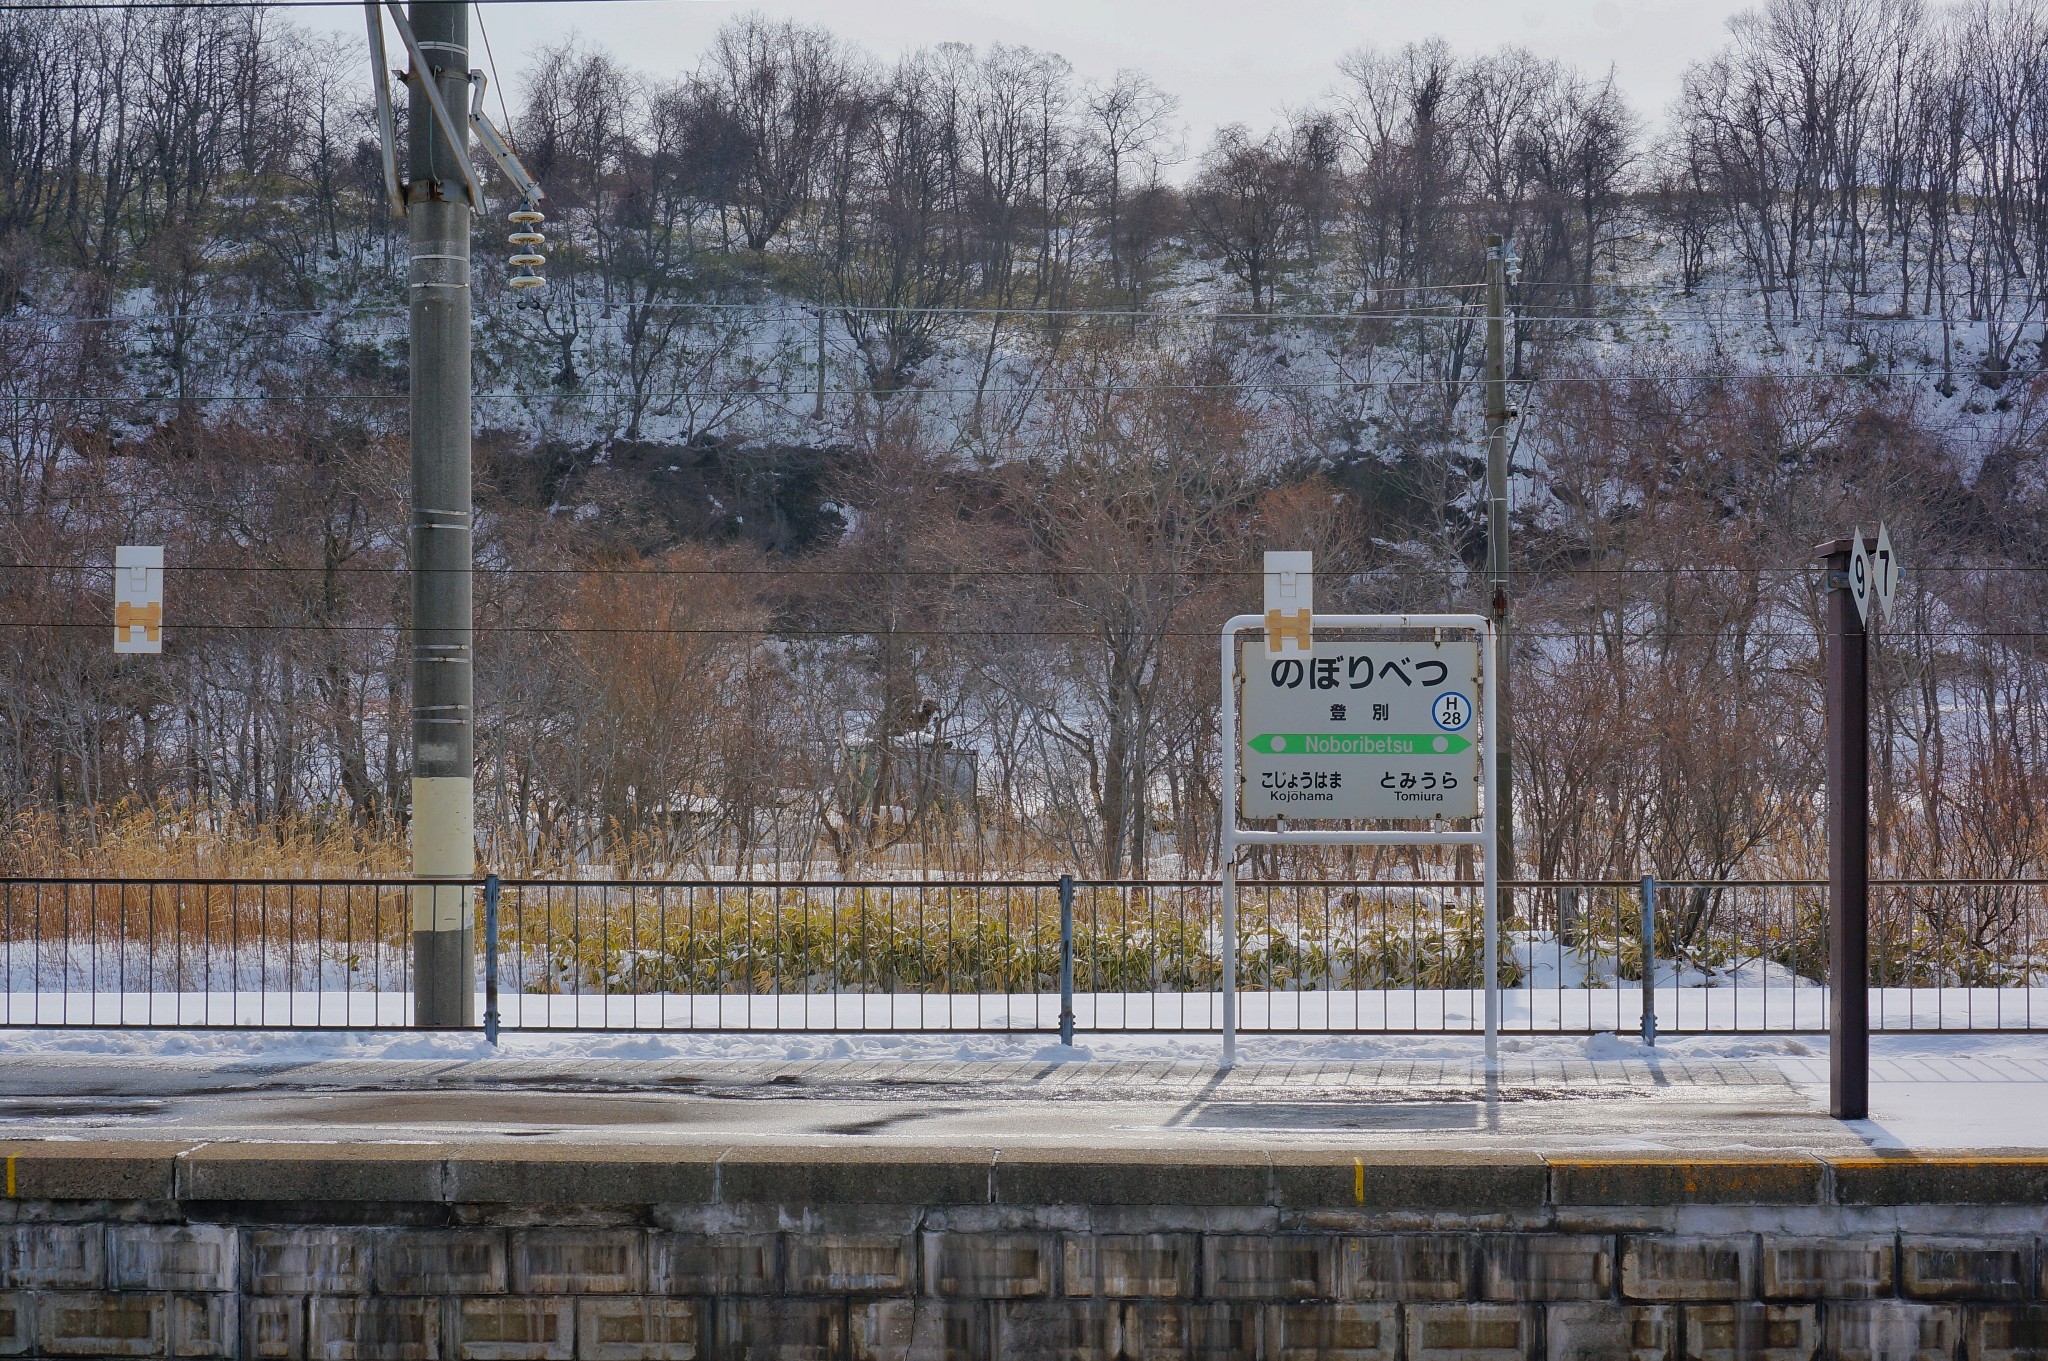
[1066, 959]
[1650, 959]
[491, 958]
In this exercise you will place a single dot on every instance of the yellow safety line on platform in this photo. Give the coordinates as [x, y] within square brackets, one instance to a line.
[1357, 1178]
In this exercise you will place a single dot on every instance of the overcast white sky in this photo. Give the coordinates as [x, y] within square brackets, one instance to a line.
[1228, 60]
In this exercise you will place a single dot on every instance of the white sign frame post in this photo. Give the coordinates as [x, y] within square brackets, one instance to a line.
[1235, 836]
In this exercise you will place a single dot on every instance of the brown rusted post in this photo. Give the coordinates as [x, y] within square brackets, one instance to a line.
[1848, 762]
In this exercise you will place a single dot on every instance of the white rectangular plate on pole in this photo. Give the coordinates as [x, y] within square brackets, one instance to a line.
[138, 599]
[1290, 603]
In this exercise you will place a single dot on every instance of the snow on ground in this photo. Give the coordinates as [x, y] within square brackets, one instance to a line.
[1931, 1092]
[1943, 1091]
[1547, 962]
[304, 1046]
[1744, 997]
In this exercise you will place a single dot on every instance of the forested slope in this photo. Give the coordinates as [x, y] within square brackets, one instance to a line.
[868, 485]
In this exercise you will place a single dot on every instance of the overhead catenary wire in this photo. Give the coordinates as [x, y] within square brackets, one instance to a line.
[1198, 573]
[790, 312]
[1646, 633]
[30, 6]
[1026, 390]
[491, 57]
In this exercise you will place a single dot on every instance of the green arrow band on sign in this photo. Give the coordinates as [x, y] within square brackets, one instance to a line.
[1358, 744]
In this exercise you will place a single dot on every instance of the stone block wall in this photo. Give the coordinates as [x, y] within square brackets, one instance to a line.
[845, 1255]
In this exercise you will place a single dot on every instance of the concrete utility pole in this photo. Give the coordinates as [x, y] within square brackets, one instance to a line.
[443, 734]
[818, 404]
[1497, 417]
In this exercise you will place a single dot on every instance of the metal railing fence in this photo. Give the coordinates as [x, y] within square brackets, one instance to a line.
[1067, 957]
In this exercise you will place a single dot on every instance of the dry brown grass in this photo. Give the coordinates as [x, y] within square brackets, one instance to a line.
[167, 842]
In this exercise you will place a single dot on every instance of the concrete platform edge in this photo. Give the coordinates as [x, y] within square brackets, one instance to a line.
[828, 1174]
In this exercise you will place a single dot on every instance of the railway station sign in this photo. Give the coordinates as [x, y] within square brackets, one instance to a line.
[1360, 729]
[1335, 719]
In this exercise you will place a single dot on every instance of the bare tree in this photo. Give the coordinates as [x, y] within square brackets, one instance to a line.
[1132, 135]
[1242, 205]
[785, 88]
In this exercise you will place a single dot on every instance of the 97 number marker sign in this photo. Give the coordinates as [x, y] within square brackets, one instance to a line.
[1873, 574]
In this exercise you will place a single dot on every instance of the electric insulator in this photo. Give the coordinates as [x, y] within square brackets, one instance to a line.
[526, 238]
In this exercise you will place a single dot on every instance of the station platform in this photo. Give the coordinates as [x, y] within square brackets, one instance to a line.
[1599, 1096]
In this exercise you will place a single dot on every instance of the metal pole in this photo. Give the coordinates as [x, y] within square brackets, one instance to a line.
[1229, 953]
[1066, 959]
[491, 958]
[1226, 833]
[1650, 959]
[1848, 764]
[1497, 417]
[1490, 906]
[443, 812]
